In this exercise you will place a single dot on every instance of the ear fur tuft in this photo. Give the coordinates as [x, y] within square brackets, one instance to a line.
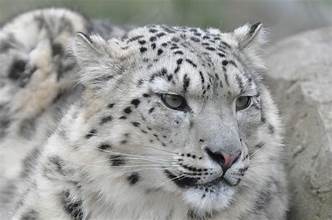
[250, 35]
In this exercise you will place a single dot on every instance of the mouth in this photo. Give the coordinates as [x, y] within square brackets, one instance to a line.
[188, 182]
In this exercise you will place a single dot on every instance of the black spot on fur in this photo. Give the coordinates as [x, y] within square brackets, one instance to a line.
[57, 49]
[72, 207]
[142, 42]
[195, 39]
[16, 70]
[127, 110]
[106, 119]
[140, 82]
[232, 63]
[177, 69]
[111, 105]
[211, 48]
[133, 178]
[117, 160]
[144, 131]
[30, 215]
[178, 52]
[175, 39]
[225, 44]
[174, 47]
[135, 38]
[136, 124]
[153, 46]
[152, 30]
[142, 49]
[104, 147]
[160, 34]
[163, 71]
[151, 110]
[186, 82]
[135, 102]
[224, 62]
[202, 77]
[192, 63]
[91, 133]
[226, 78]
[159, 52]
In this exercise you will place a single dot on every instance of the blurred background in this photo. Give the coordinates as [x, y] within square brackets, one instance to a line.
[283, 17]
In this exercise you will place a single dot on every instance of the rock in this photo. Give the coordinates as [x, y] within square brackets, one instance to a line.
[300, 77]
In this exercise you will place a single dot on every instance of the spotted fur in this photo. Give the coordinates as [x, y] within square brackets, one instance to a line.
[86, 131]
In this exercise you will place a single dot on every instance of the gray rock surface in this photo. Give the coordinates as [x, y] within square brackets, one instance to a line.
[300, 77]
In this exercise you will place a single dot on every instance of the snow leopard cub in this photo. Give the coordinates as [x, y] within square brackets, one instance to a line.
[161, 123]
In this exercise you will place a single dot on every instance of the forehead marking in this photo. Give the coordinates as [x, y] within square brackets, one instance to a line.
[191, 63]
[186, 82]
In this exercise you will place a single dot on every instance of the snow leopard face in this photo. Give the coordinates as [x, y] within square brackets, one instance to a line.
[178, 110]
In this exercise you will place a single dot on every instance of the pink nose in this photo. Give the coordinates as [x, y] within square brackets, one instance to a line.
[229, 160]
[224, 160]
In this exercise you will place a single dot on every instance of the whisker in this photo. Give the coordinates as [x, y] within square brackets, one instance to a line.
[172, 179]
[156, 148]
[141, 160]
[129, 154]
[255, 152]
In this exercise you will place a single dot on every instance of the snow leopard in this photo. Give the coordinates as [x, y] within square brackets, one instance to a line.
[157, 122]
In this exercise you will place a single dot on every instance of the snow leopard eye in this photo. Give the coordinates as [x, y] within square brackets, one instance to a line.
[175, 102]
[243, 102]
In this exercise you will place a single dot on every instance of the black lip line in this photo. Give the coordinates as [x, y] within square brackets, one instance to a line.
[182, 182]
[187, 182]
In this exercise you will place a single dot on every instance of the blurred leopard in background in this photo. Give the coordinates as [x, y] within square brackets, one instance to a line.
[160, 122]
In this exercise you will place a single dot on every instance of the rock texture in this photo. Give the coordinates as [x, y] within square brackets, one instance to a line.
[300, 76]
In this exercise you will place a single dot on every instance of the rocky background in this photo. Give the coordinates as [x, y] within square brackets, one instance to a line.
[300, 77]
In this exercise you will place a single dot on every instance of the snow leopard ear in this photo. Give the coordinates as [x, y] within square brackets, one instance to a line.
[249, 35]
[98, 59]
[91, 50]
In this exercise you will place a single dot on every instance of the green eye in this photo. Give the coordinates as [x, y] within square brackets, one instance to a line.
[175, 102]
[243, 102]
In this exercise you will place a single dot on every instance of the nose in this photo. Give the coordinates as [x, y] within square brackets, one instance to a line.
[224, 160]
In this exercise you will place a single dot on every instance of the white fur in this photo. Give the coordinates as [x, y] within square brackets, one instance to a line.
[110, 71]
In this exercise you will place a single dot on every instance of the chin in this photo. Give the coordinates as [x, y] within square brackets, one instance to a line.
[209, 199]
